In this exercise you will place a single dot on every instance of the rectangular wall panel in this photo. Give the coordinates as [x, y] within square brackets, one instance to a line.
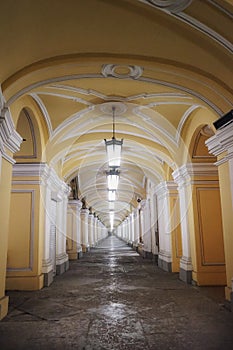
[21, 231]
[210, 226]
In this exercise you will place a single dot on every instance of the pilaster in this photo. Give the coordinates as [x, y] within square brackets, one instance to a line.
[91, 229]
[201, 240]
[74, 248]
[84, 230]
[221, 145]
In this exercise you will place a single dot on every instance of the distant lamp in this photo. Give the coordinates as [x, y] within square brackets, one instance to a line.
[111, 195]
[114, 146]
[113, 179]
[111, 219]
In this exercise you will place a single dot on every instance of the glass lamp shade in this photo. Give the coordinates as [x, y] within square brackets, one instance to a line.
[111, 195]
[113, 148]
[113, 179]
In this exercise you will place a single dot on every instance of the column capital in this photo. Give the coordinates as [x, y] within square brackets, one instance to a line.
[75, 203]
[165, 187]
[84, 211]
[187, 172]
[143, 204]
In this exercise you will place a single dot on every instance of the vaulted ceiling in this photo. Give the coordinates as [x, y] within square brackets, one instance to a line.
[158, 63]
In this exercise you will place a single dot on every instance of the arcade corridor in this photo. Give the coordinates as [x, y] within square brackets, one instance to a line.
[114, 299]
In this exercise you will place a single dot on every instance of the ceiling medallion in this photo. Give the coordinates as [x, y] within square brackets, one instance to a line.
[122, 71]
[119, 107]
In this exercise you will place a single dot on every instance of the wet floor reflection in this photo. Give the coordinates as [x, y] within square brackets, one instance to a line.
[114, 299]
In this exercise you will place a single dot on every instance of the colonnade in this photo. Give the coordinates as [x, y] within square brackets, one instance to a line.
[84, 229]
[186, 223]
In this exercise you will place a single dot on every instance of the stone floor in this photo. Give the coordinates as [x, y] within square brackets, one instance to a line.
[114, 299]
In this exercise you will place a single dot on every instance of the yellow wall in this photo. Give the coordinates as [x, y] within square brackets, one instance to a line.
[176, 235]
[227, 214]
[25, 242]
[209, 262]
[5, 185]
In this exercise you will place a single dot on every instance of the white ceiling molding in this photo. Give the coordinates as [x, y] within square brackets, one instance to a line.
[44, 112]
[205, 30]
[95, 93]
[214, 3]
[143, 79]
[73, 98]
[183, 120]
[175, 8]
[169, 5]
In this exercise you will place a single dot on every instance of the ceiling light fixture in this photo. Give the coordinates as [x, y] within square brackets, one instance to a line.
[113, 146]
[111, 195]
[113, 179]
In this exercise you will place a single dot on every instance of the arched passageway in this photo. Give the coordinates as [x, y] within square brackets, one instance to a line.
[148, 77]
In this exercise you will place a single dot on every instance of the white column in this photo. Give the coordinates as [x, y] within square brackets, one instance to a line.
[154, 225]
[95, 230]
[136, 226]
[74, 226]
[99, 231]
[54, 188]
[147, 227]
[132, 236]
[84, 229]
[47, 265]
[124, 230]
[127, 229]
[182, 178]
[119, 231]
[62, 259]
[91, 229]
[164, 222]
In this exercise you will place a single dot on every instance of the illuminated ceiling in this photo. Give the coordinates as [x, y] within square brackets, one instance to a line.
[160, 63]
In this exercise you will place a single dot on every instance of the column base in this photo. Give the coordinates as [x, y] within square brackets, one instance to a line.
[185, 275]
[3, 306]
[186, 269]
[130, 244]
[155, 258]
[48, 278]
[164, 265]
[25, 282]
[47, 270]
[61, 268]
[72, 255]
[80, 255]
[140, 249]
[85, 248]
[165, 261]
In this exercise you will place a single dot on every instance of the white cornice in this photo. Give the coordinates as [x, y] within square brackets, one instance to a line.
[9, 136]
[186, 172]
[221, 142]
[46, 175]
[165, 187]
